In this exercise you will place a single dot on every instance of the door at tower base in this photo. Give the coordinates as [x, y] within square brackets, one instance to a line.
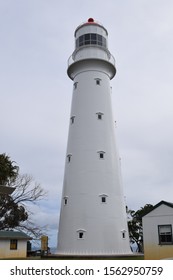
[93, 217]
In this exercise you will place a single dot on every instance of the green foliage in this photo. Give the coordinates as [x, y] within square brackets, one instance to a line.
[8, 170]
[135, 225]
[11, 214]
[13, 211]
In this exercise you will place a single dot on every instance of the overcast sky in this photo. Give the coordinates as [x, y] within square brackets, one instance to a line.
[36, 39]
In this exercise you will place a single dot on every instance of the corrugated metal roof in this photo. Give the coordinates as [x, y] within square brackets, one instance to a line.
[10, 234]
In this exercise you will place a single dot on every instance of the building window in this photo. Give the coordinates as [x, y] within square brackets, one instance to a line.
[72, 119]
[98, 81]
[99, 115]
[69, 158]
[165, 234]
[65, 200]
[103, 198]
[81, 234]
[123, 234]
[75, 85]
[91, 39]
[101, 154]
[13, 244]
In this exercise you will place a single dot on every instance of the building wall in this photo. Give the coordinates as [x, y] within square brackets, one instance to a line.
[87, 177]
[162, 215]
[5, 251]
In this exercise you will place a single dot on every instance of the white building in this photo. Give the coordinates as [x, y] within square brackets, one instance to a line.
[93, 216]
[157, 232]
[13, 244]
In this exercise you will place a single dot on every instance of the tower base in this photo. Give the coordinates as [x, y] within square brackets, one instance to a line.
[87, 253]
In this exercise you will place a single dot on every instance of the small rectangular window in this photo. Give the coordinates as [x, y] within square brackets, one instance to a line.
[69, 158]
[103, 198]
[99, 115]
[99, 37]
[72, 119]
[81, 234]
[93, 39]
[65, 200]
[101, 155]
[98, 81]
[75, 85]
[87, 37]
[13, 244]
[123, 232]
[165, 234]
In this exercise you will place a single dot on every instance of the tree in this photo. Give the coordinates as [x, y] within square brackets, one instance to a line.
[11, 214]
[8, 171]
[14, 208]
[135, 225]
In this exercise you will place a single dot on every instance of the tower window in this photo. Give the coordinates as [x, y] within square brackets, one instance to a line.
[69, 157]
[81, 234]
[101, 154]
[65, 200]
[103, 198]
[99, 115]
[123, 232]
[72, 119]
[98, 81]
[75, 85]
[91, 39]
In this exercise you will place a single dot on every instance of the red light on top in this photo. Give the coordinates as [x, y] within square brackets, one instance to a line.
[90, 20]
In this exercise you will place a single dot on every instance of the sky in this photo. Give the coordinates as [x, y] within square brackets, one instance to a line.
[36, 40]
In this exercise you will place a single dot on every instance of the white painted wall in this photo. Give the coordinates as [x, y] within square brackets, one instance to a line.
[5, 251]
[87, 177]
[162, 215]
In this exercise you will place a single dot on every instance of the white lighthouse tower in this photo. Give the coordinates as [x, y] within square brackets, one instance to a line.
[93, 217]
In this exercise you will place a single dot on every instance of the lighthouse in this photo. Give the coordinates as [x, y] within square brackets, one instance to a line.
[93, 217]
